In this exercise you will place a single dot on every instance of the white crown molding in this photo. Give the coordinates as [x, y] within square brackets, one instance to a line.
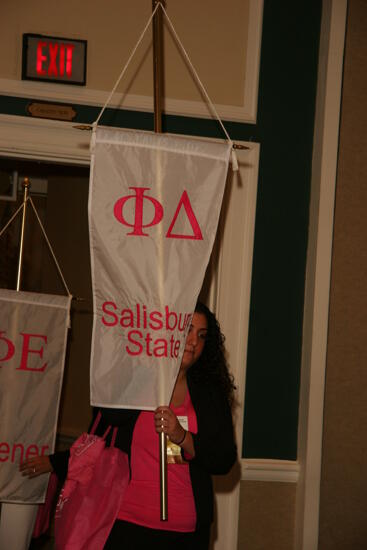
[84, 96]
[42, 139]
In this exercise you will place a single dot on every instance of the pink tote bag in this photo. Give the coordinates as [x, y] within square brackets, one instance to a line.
[91, 497]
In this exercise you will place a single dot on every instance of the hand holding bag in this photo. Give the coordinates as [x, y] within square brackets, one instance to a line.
[91, 497]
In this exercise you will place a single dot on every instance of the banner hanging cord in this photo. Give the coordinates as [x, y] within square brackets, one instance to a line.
[206, 95]
[11, 219]
[126, 66]
[211, 104]
[45, 236]
[195, 74]
[50, 247]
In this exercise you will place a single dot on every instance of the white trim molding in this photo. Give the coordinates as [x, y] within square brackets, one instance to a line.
[284, 471]
[230, 298]
[40, 139]
[316, 311]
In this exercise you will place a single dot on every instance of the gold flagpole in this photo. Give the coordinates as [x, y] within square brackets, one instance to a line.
[157, 82]
[157, 66]
[26, 186]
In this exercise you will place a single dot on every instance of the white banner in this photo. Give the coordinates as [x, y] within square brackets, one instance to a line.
[154, 205]
[33, 331]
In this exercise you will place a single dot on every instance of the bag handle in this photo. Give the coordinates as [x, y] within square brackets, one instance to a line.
[94, 427]
[106, 432]
[113, 439]
[96, 422]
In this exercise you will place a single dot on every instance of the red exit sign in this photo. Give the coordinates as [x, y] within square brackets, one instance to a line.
[54, 59]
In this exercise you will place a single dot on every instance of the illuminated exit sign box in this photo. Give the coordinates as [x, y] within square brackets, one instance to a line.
[54, 59]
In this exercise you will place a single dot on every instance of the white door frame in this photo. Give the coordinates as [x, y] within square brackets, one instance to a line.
[231, 301]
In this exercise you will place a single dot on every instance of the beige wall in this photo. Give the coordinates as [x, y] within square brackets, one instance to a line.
[266, 516]
[113, 31]
[343, 504]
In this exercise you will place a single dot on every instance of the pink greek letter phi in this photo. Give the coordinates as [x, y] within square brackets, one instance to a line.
[139, 198]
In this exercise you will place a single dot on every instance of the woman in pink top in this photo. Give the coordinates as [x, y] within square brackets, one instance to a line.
[198, 423]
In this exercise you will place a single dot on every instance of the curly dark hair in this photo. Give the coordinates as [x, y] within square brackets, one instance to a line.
[212, 364]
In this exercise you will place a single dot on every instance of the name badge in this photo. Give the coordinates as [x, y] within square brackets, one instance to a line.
[173, 450]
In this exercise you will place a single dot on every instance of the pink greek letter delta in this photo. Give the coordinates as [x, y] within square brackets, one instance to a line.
[139, 224]
[185, 202]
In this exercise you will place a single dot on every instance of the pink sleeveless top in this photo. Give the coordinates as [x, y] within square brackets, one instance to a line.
[141, 503]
